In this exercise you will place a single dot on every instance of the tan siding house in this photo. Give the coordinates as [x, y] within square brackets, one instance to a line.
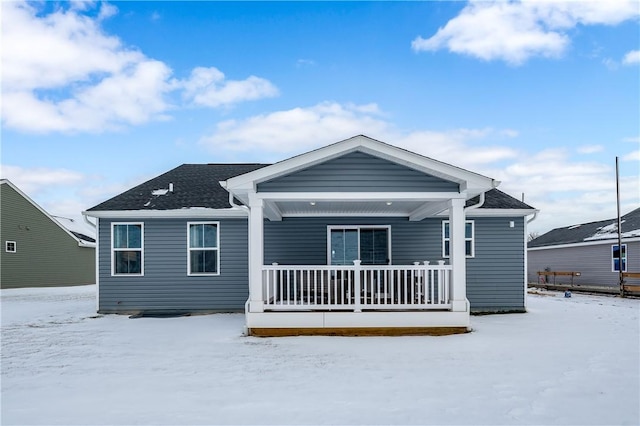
[37, 250]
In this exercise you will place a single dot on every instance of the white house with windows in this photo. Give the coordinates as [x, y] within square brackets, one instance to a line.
[357, 236]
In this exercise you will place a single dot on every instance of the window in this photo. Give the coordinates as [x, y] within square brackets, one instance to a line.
[10, 246]
[370, 244]
[127, 248]
[203, 242]
[615, 258]
[469, 235]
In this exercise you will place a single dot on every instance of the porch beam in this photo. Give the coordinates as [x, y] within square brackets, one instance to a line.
[427, 210]
[272, 211]
[359, 196]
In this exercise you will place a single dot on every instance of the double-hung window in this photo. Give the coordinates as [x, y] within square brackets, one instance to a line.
[616, 258]
[369, 244]
[127, 249]
[469, 238]
[203, 247]
[10, 247]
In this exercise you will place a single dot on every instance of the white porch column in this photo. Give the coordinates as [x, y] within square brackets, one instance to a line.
[256, 253]
[457, 255]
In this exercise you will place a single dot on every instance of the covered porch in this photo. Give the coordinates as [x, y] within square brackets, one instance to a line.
[347, 289]
[360, 296]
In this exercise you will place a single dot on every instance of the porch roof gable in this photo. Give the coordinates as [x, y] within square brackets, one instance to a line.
[469, 182]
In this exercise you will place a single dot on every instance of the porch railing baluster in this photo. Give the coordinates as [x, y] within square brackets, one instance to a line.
[357, 287]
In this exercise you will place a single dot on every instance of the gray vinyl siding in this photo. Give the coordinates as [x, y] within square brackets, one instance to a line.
[165, 286]
[358, 172]
[592, 261]
[303, 241]
[495, 276]
[46, 254]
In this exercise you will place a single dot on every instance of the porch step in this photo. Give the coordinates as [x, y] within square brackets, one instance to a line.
[358, 331]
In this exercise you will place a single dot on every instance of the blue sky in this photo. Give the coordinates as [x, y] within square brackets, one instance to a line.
[98, 97]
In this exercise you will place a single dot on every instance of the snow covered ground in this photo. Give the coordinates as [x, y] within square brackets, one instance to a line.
[567, 361]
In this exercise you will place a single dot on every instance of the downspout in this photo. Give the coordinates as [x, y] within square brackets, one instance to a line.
[526, 255]
[231, 202]
[494, 184]
[477, 205]
[86, 219]
[234, 205]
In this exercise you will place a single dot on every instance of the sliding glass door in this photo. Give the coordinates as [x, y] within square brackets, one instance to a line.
[349, 243]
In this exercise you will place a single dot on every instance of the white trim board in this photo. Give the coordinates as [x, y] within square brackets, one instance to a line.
[586, 243]
[195, 213]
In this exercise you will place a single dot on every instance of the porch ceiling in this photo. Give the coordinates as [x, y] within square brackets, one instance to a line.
[349, 208]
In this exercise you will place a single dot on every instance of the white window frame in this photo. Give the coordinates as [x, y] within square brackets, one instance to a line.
[358, 228]
[189, 249]
[6, 247]
[624, 258]
[472, 239]
[113, 250]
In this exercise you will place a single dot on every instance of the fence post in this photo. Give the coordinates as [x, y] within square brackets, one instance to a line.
[357, 286]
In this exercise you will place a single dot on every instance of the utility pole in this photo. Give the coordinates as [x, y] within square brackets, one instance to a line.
[620, 272]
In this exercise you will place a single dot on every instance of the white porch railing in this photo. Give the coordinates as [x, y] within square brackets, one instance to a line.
[357, 287]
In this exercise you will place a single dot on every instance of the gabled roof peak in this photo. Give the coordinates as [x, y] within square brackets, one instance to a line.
[475, 182]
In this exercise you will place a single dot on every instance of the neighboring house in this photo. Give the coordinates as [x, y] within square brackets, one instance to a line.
[355, 235]
[588, 248]
[37, 250]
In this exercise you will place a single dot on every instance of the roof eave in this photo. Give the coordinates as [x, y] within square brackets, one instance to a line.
[480, 212]
[193, 212]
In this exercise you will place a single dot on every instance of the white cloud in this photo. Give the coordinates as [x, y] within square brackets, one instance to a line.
[34, 180]
[290, 132]
[563, 209]
[305, 63]
[461, 147]
[632, 57]
[632, 156]
[516, 31]
[296, 130]
[62, 72]
[107, 11]
[208, 87]
[565, 190]
[293, 131]
[632, 139]
[590, 149]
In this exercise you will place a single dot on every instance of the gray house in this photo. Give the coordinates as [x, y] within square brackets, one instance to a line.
[358, 235]
[589, 248]
[37, 250]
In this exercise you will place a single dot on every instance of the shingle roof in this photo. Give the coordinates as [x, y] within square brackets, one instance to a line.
[592, 231]
[84, 237]
[496, 199]
[196, 185]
